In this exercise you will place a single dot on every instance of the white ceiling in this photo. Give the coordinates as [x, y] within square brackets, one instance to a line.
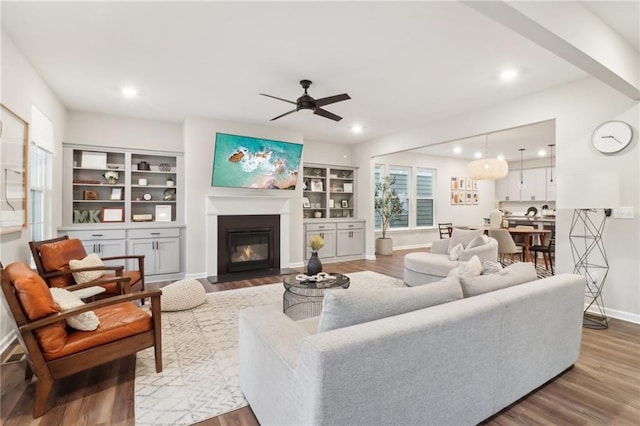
[403, 63]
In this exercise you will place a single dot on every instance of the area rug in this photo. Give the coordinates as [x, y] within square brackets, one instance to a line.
[541, 271]
[200, 356]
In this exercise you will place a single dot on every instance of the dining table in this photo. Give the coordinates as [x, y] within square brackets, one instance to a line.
[527, 233]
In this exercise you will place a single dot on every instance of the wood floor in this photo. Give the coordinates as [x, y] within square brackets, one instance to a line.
[602, 389]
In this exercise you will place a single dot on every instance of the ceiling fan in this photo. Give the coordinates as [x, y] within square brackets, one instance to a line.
[307, 102]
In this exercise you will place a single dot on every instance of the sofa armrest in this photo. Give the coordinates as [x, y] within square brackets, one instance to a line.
[440, 246]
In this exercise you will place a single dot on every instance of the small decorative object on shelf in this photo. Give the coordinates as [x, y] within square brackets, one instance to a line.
[315, 266]
[111, 177]
[164, 167]
[171, 181]
[143, 165]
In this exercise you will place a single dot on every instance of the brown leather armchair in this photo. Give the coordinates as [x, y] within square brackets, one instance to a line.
[53, 350]
[52, 261]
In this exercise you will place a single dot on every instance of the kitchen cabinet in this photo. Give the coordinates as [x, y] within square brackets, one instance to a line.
[550, 186]
[535, 185]
[508, 188]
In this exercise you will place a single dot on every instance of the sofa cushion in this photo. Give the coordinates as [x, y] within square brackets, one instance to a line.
[470, 268]
[478, 241]
[463, 236]
[490, 267]
[455, 252]
[65, 300]
[37, 302]
[90, 261]
[56, 256]
[513, 274]
[429, 263]
[343, 308]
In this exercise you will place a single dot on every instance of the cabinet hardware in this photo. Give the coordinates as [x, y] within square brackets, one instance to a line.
[96, 235]
[155, 233]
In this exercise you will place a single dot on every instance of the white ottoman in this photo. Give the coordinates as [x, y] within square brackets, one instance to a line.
[181, 295]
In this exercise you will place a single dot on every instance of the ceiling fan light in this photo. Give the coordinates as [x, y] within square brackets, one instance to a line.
[487, 169]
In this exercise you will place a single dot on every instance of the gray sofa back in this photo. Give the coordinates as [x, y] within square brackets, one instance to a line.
[455, 363]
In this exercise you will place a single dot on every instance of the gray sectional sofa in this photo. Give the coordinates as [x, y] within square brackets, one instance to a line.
[386, 357]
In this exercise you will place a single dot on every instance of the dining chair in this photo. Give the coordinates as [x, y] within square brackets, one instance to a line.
[548, 251]
[445, 230]
[506, 245]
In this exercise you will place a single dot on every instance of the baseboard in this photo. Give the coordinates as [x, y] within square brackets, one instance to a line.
[195, 276]
[6, 341]
[614, 313]
[412, 246]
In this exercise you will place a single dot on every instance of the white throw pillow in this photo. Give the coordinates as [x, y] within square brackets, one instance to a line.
[478, 241]
[455, 252]
[489, 267]
[65, 300]
[85, 276]
[463, 236]
[343, 308]
[470, 268]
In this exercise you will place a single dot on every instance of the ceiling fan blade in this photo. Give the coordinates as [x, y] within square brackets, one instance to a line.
[282, 115]
[326, 114]
[280, 99]
[332, 99]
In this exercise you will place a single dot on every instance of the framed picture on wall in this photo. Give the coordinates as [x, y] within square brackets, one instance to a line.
[469, 184]
[462, 196]
[462, 182]
[454, 184]
[475, 185]
[469, 198]
[454, 198]
[476, 197]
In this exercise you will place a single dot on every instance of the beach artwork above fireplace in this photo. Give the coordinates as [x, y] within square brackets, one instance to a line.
[246, 162]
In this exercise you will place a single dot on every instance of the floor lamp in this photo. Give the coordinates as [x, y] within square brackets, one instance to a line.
[591, 196]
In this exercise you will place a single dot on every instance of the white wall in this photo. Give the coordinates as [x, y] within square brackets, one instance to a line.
[113, 131]
[465, 215]
[578, 108]
[22, 87]
[327, 153]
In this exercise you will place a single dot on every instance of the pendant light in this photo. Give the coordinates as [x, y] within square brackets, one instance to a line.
[522, 184]
[487, 168]
[551, 182]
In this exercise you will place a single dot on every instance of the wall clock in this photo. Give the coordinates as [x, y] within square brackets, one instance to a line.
[147, 197]
[612, 136]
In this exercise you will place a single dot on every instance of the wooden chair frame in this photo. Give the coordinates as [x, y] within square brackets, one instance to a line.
[445, 230]
[48, 371]
[35, 251]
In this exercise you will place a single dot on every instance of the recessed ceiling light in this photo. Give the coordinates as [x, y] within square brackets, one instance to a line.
[457, 150]
[508, 74]
[356, 128]
[477, 155]
[129, 92]
[542, 153]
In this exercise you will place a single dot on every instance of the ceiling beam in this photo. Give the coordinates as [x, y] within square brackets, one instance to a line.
[573, 33]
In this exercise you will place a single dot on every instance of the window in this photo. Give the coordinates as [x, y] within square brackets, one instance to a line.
[424, 197]
[40, 175]
[401, 185]
[411, 182]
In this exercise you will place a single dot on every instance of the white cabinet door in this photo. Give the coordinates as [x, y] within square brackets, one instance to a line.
[145, 247]
[350, 242]
[508, 188]
[535, 185]
[329, 248]
[167, 255]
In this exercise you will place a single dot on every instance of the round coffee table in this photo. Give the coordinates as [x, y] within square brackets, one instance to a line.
[303, 299]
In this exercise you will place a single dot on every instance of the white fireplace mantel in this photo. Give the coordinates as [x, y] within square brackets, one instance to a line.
[241, 206]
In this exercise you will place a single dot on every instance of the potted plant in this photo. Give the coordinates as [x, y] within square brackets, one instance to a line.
[389, 207]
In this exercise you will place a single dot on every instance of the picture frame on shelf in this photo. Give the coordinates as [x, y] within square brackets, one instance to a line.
[316, 185]
[332, 203]
[112, 214]
[116, 194]
[347, 187]
[163, 213]
[89, 195]
[345, 204]
[306, 203]
[93, 160]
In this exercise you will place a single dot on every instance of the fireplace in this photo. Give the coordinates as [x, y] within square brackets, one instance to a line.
[248, 243]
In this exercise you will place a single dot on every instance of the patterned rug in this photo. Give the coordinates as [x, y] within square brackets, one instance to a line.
[200, 356]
